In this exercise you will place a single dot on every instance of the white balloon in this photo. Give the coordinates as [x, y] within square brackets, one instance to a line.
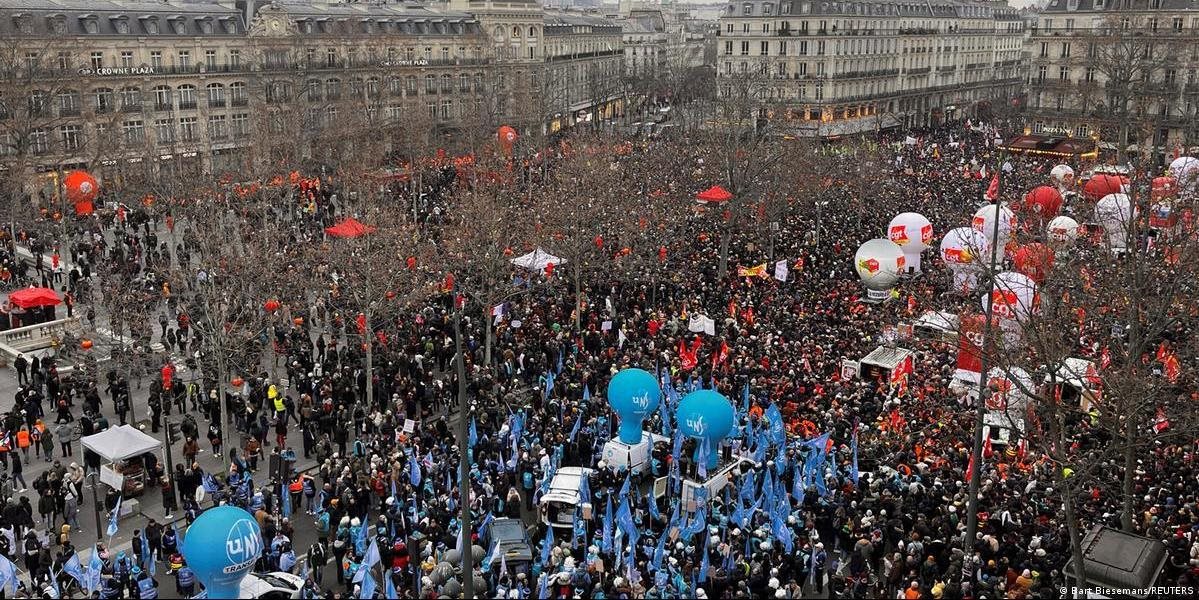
[984, 223]
[879, 263]
[1008, 387]
[1062, 174]
[962, 249]
[1062, 229]
[1186, 170]
[1014, 296]
[1116, 213]
[912, 232]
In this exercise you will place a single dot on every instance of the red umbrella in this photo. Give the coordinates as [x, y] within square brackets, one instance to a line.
[714, 194]
[349, 228]
[34, 297]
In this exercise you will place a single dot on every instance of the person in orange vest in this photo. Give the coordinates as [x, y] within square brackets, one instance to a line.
[23, 441]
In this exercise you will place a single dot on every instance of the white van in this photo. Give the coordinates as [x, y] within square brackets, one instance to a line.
[636, 457]
[558, 506]
[715, 484]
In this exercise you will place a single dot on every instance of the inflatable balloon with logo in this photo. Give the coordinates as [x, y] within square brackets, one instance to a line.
[706, 415]
[912, 232]
[1063, 175]
[962, 250]
[1062, 230]
[221, 546]
[633, 395]
[878, 263]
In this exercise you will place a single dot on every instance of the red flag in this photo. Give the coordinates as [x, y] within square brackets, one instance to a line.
[1173, 369]
[1163, 351]
[1160, 422]
[448, 285]
[361, 323]
[988, 451]
[970, 468]
[993, 189]
[1105, 358]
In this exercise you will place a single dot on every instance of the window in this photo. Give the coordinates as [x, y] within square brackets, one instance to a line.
[428, 54]
[1176, 24]
[352, 56]
[1081, 131]
[447, 84]
[430, 85]
[764, 49]
[1065, 49]
[131, 99]
[410, 85]
[187, 96]
[126, 58]
[432, 106]
[216, 95]
[210, 59]
[445, 54]
[748, 9]
[463, 82]
[64, 61]
[235, 59]
[133, 132]
[1089, 77]
[1069, 24]
[162, 97]
[216, 127]
[331, 57]
[313, 118]
[1092, 50]
[156, 59]
[69, 134]
[39, 141]
[1044, 49]
[240, 124]
[1063, 73]
[68, 103]
[237, 93]
[333, 89]
[164, 130]
[1170, 77]
[185, 59]
[312, 90]
[1153, 25]
[372, 87]
[1041, 72]
[97, 60]
[728, 47]
[187, 129]
[447, 107]
[744, 48]
[104, 101]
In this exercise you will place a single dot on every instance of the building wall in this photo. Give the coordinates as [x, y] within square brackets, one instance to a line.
[124, 91]
[1122, 72]
[830, 61]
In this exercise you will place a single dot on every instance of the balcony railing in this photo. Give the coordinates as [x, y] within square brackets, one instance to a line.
[163, 107]
[68, 112]
[131, 108]
[187, 105]
[216, 103]
[239, 101]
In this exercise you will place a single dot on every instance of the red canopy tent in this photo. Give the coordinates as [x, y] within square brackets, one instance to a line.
[34, 297]
[349, 228]
[714, 195]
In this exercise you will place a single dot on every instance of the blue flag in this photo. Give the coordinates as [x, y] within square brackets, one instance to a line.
[94, 568]
[701, 458]
[286, 500]
[148, 556]
[546, 545]
[8, 575]
[73, 568]
[797, 487]
[372, 555]
[586, 393]
[574, 431]
[560, 360]
[116, 515]
[606, 539]
[704, 565]
[549, 386]
[209, 483]
[389, 588]
[543, 587]
[653, 506]
[368, 584]
[659, 552]
[624, 518]
[473, 435]
[584, 490]
[360, 540]
[853, 466]
[778, 432]
[624, 488]
[413, 470]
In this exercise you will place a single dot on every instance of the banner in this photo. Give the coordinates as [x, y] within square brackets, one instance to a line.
[781, 271]
[970, 343]
[849, 369]
[755, 271]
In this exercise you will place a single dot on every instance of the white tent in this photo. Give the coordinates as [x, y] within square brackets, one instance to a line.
[537, 260]
[116, 444]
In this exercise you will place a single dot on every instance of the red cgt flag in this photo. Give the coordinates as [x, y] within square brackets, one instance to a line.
[993, 189]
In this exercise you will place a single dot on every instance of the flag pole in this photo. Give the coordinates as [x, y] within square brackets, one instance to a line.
[980, 410]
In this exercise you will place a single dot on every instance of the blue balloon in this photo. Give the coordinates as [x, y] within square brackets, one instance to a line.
[706, 415]
[221, 546]
[633, 394]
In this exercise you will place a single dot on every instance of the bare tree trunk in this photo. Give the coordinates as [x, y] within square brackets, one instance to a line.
[488, 323]
[1130, 466]
[725, 242]
[369, 348]
[464, 517]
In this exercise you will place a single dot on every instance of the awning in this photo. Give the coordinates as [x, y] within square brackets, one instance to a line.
[34, 297]
[120, 443]
[714, 194]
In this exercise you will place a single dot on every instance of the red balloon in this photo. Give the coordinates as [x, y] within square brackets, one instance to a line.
[81, 187]
[271, 305]
[599, 241]
[1165, 187]
[1103, 184]
[549, 270]
[662, 254]
[1034, 260]
[1044, 202]
[507, 137]
[411, 263]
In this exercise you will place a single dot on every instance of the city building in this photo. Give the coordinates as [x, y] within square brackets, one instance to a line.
[1120, 71]
[584, 68]
[830, 68]
[194, 85]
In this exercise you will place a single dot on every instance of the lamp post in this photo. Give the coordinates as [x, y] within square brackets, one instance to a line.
[96, 506]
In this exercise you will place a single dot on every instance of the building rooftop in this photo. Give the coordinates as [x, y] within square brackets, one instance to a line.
[979, 9]
[1110, 6]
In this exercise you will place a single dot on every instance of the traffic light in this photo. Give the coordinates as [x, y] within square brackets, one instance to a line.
[173, 433]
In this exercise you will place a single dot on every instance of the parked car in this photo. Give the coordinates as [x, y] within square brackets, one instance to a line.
[508, 543]
[272, 586]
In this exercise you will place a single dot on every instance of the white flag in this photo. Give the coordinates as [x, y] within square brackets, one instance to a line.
[709, 326]
[781, 271]
[620, 338]
[498, 310]
[696, 325]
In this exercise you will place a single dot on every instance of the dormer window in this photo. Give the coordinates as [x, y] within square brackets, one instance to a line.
[58, 24]
[229, 25]
[326, 26]
[205, 24]
[150, 25]
[121, 24]
[23, 23]
[178, 25]
[91, 23]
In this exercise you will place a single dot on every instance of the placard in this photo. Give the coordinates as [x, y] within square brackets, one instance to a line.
[409, 426]
[109, 476]
[849, 369]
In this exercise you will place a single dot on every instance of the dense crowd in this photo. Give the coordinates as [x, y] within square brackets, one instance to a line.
[384, 491]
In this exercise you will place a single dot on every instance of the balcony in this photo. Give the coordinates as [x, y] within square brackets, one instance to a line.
[72, 111]
[920, 71]
[163, 107]
[216, 103]
[187, 104]
[239, 102]
[131, 108]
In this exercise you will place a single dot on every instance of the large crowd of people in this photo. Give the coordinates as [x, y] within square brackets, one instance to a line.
[889, 520]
